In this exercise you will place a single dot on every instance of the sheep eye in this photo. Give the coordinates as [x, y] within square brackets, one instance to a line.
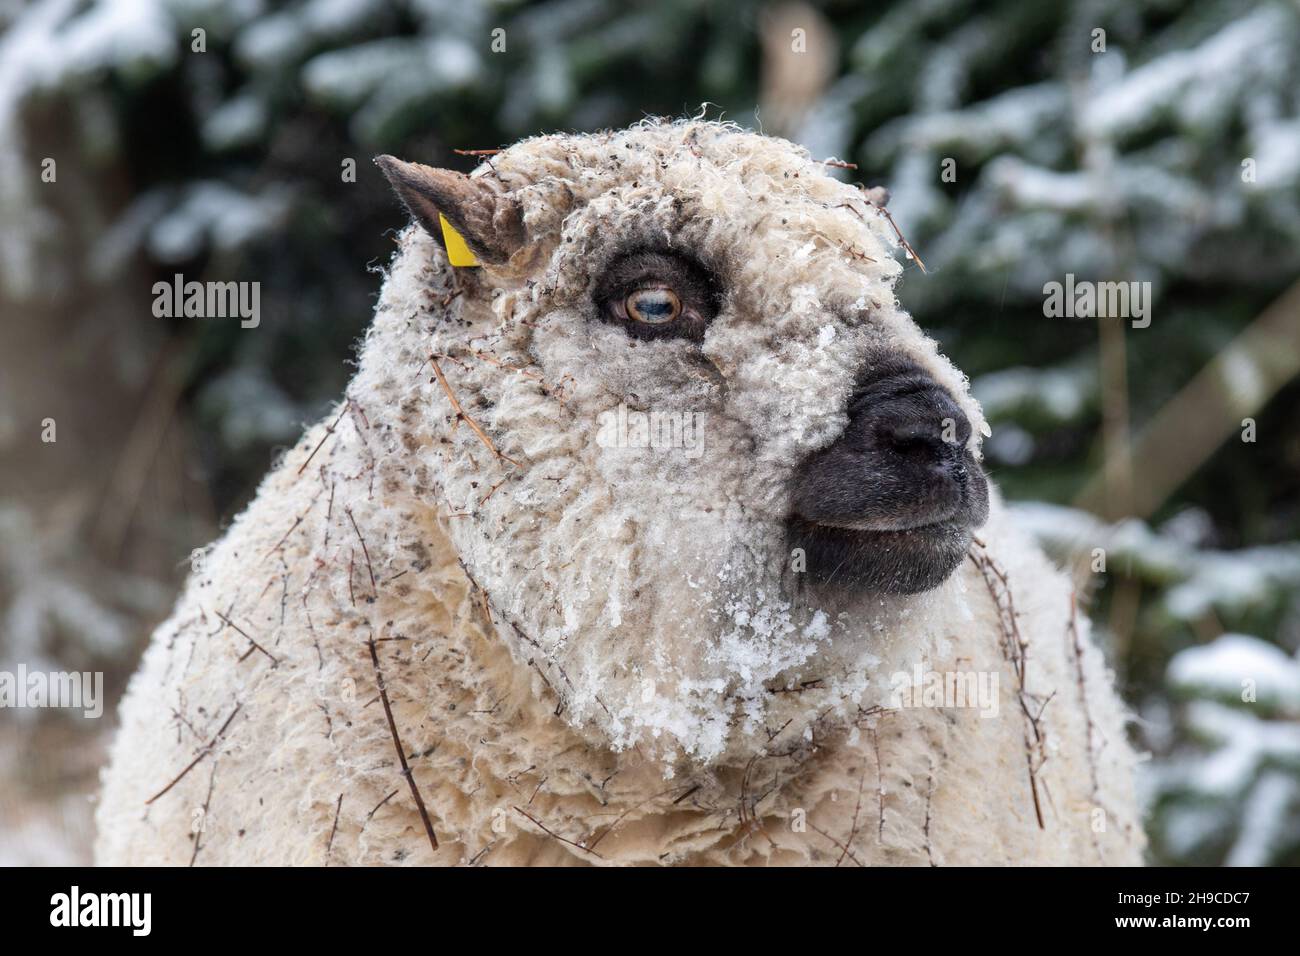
[658, 294]
[653, 306]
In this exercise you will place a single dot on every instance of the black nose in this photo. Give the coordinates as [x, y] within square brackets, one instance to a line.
[891, 504]
[901, 463]
[925, 428]
[928, 424]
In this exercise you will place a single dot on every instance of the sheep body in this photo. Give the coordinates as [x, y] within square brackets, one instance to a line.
[572, 678]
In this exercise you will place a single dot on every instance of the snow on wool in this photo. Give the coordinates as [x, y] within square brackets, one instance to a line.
[585, 653]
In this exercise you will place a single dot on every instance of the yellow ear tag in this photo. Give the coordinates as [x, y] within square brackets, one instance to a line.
[458, 253]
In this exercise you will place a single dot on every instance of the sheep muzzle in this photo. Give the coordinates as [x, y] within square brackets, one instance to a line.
[892, 504]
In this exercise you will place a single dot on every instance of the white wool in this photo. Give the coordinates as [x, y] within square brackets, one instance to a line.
[595, 654]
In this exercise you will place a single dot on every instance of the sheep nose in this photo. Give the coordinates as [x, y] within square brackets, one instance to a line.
[928, 430]
[902, 462]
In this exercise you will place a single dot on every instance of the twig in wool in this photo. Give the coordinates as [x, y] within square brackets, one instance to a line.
[814, 683]
[591, 846]
[352, 561]
[523, 636]
[518, 369]
[370, 466]
[1014, 650]
[1033, 785]
[307, 588]
[693, 789]
[880, 784]
[181, 719]
[462, 415]
[902, 240]
[364, 550]
[262, 593]
[397, 743]
[492, 491]
[207, 801]
[853, 829]
[195, 762]
[476, 152]
[378, 806]
[292, 528]
[860, 256]
[773, 734]
[929, 799]
[329, 846]
[358, 410]
[512, 778]
[838, 164]
[559, 700]
[275, 661]
[1076, 644]
[284, 596]
[473, 860]
[329, 511]
[554, 835]
[329, 430]
[557, 390]
[880, 208]
[816, 829]
[744, 787]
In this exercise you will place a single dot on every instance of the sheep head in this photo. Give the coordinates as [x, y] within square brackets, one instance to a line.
[710, 459]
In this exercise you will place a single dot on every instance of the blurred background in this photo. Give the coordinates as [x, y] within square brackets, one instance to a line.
[1128, 140]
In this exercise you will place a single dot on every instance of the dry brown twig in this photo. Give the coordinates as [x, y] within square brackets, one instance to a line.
[929, 802]
[493, 360]
[329, 846]
[853, 828]
[379, 806]
[551, 833]
[619, 819]
[463, 416]
[207, 749]
[557, 390]
[492, 491]
[397, 743]
[207, 802]
[1014, 648]
[816, 829]
[329, 430]
[1076, 645]
[366, 551]
[294, 527]
[352, 561]
[531, 642]
[880, 208]
[275, 661]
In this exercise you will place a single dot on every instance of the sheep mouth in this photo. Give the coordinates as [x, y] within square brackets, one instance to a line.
[905, 560]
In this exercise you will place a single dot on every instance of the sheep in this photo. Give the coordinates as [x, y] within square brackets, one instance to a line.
[652, 531]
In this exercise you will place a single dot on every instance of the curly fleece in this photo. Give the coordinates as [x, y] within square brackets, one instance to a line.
[600, 654]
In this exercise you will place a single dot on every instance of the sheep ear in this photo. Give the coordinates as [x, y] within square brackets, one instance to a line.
[489, 223]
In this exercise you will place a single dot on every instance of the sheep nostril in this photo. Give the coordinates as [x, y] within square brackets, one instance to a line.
[917, 441]
[906, 441]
